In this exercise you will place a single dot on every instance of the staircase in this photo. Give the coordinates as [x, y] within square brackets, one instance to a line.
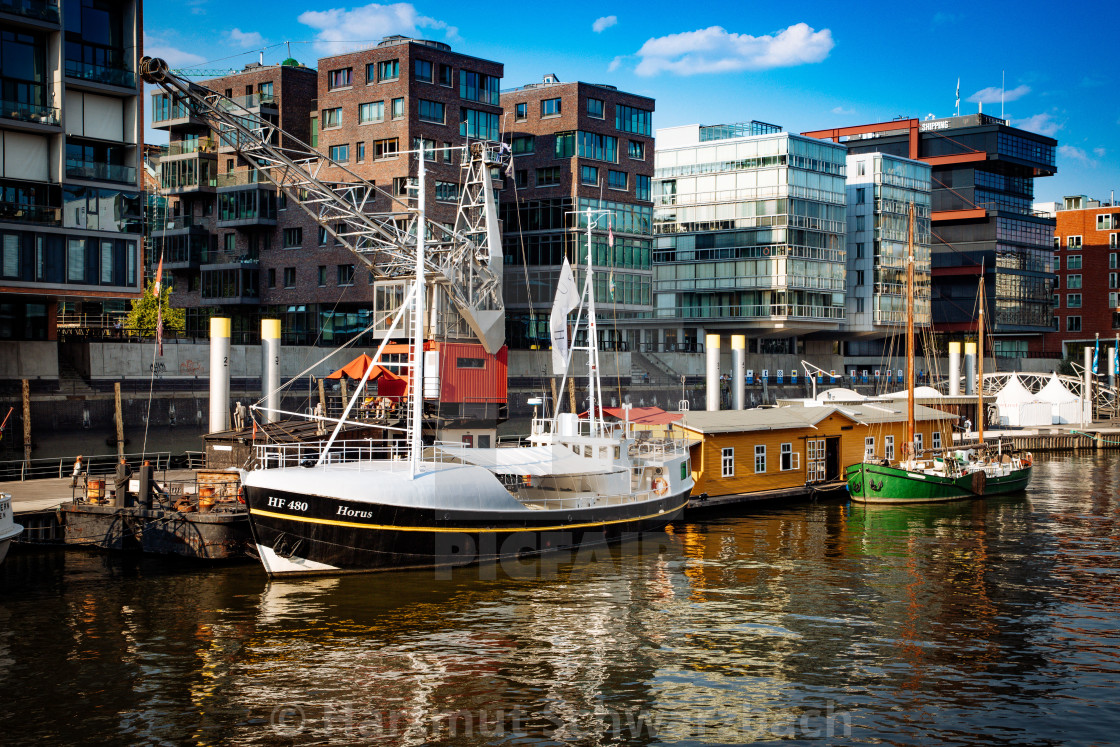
[71, 383]
[643, 367]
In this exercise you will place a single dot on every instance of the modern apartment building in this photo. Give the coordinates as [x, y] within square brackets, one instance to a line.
[1087, 292]
[881, 189]
[750, 237]
[982, 222]
[71, 213]
[242, 250]
[577, 146]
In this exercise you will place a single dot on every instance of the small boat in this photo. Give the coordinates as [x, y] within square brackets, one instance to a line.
[9, 529]
[952, 475]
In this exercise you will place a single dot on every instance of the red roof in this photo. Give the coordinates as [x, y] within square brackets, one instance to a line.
[643, 415]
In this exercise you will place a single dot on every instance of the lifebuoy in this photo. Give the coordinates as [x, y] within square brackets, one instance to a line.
[766, 251]
[660, 486]
[1027, 459]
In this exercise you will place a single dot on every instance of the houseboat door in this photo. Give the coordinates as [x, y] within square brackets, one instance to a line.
[832, 468]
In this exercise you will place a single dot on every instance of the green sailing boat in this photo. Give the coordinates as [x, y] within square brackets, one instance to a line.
[951, 475]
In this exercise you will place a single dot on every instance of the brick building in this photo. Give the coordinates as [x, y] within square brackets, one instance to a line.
[577, 145]
[240, 250]
[1087, 291]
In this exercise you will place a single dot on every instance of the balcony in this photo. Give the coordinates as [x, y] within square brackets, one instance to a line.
[173, 115]
[104, 172]
[183, 252]
[39, 10]
[230, 283]
[111, 76]
[32, 215]
[245, 178]
[178, 224]
[252, 102]
[775, 311]
[23, 112]
[205, 146]
[193, 174]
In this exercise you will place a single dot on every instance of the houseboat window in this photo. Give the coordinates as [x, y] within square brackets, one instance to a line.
[470, 363]
[888, 447]
[917, 444]
[787, 457]
[617, 453]
[760, 458]
[937, 439]
[684, 470]
[728, 462]
[869, 448]
[589, 452]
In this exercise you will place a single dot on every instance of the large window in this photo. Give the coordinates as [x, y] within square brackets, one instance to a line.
[868, 448]
[385, 148]
[595, 108]
[339, 153]
[479, 87]
[388, 70]
[293, 237]
[23, 73]
[340, 78]
[523, 144]
[642, 189]
[565, 145]
[1073, 324]
[629, 119]
[332, 117]
[636, 150]
[1073, 262]
[598, 147]
[447, 191]
[398, 108]
[550, 107]
[1073, 301]
[424, 72]
[786, 462]
[759, 458]
[431, 111]
[589, 175]
[548, 177]
[888, 447]
[346, 274]
[727, 462]
[374, 111]
[1073, 282]
[478, 125]
[616, 179]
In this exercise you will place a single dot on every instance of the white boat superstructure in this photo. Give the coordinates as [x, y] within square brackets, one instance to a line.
[9, 529]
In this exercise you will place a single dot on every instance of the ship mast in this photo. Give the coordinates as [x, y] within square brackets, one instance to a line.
[595, 394]
[980, 414]
[910, 429]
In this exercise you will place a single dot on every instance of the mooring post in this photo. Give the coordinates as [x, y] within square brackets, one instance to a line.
[119, 419]
[323, 396]
[26, 427]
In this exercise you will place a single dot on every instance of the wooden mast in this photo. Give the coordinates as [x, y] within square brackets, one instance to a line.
[980, 414]
[910, 338]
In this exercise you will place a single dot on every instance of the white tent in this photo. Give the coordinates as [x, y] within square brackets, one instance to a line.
[1065, 406]
[1017, 406]
[840, 394]
[922, 392]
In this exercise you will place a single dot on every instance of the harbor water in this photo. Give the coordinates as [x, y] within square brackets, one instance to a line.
[977, 622]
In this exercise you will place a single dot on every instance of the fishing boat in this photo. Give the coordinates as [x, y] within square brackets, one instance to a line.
[9, 529]
[336, 507]
[953, 474]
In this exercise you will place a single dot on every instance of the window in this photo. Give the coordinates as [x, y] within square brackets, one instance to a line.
[521, 112]
[550, 108]
[271, 277]
[1116, 320]
[861, 195]
[427, 146]
[398, 108]
[264, 90]
[759, 458]
[447, 192]
[293, 237]
[360, 151]
[936, 440]
[1073, 262]
[598, 147]
[322, 275]
[815, 453]
[859, 250]
[231, 242]
[589, 175]
[332, 117]
[859, 223]
[478, 125]
[346, 274]
[374, 111]
[786, 459]
[1057, 243]
[888, 447]
[388, 70]
[289, 277]
[636, 150]
[431, 111]
[727, 461]
[470, 363]
[565, 145]
[1073, 324]
[1112, 260]
[629, 119]
[548, 177]
[339, 153]
[447, 152]
[423, 70]
[446, 76]
[1113, 300]
[339, 78]
[385, 148]
[1073, 242]
[1073, 301]
[861, 168]
[523, 144]
[868, 448]
[595, 108]
[1104, 222]
[1113, 240]
[521, 178]
[1112, 280]
[616, 179]
[642, 189]
[404, 186]
[1073, 282]
[479, 87]
[917, 444]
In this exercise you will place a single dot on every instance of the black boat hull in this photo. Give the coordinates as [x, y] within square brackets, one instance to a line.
[322, 535]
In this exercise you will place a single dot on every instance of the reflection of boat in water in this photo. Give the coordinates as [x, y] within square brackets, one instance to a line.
[9, 529]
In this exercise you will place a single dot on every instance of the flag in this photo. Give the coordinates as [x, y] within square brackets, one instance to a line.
[567, 298]
[610, 243]
[159, 277]
[612, 284]
[958, 95]
[159, 328]
[1096, 352]
[254, 429]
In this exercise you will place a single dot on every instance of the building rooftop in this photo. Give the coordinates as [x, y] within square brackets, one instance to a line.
[795, 417]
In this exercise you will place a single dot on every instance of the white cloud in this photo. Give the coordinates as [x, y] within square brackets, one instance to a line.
[1043, 124]
[1099, 152]
[154, 47]
[245, 39]
[616, 63]
[341, 30]
[842, 110]
[991, 95]
[604, 23]
[1076, 154]
[715, 50]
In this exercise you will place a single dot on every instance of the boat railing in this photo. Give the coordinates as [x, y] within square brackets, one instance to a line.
[581, 500]
[305, 454]
[659, 448]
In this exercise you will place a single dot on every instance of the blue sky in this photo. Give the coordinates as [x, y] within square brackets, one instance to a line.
[803, 66]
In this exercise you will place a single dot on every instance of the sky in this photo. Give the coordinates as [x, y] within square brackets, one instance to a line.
[803, 66]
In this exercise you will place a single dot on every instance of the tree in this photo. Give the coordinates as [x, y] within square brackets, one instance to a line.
[142, 317]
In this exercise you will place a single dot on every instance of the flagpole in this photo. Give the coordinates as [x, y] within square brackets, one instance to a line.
[157, 287]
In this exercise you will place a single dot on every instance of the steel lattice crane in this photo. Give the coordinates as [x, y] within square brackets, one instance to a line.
[463, 264]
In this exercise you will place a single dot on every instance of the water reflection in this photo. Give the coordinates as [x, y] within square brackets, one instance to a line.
[967, 622]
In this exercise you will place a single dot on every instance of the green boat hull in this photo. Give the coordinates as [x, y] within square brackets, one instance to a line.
[877, 483]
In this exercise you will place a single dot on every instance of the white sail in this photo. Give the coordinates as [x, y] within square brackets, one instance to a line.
[567, 298]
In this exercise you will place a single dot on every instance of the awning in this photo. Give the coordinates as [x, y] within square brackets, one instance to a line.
[538, 461]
